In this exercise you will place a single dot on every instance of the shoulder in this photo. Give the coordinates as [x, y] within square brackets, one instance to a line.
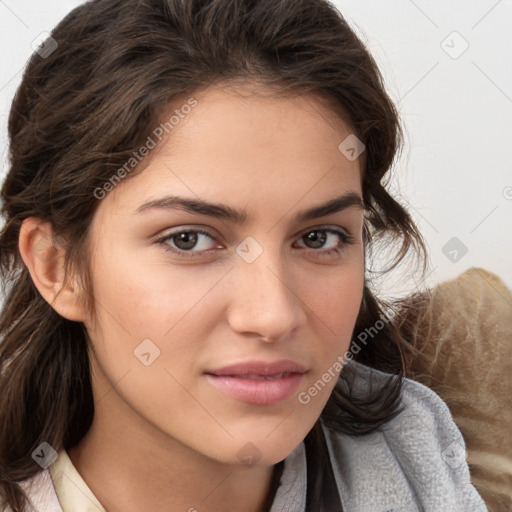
[417, 460]
[41, 493]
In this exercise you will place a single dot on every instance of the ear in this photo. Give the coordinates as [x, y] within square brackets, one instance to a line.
[45, 262]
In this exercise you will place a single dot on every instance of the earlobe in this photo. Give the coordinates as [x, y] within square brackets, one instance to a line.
[44, 259]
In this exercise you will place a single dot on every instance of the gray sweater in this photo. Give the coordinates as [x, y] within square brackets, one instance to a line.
[415, 464]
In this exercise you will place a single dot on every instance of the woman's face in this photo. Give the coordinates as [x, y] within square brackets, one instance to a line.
[207, 260]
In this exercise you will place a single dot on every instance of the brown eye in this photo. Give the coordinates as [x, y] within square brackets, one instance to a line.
[185, 240]
[317, 238]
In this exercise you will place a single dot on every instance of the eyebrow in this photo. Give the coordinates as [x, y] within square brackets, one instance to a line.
[222, 211]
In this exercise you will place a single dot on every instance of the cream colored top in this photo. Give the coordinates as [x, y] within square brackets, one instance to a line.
[73, 493]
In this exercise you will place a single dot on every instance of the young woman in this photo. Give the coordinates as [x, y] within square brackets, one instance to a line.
[194, 191]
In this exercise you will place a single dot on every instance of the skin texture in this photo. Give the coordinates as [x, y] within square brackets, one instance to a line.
[163, 437]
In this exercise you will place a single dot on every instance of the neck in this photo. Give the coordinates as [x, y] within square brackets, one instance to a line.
[145, 469]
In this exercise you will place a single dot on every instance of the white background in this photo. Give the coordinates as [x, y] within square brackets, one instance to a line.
[455, 172]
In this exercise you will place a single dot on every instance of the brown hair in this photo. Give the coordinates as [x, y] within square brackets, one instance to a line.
[79, 115]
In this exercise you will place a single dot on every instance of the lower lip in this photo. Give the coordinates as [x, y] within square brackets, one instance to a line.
[257, 392]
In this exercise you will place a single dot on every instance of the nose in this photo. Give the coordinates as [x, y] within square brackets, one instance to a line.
[264, 301]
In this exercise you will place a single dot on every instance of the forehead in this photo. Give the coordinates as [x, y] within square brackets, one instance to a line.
[239, 112]
[244, 146]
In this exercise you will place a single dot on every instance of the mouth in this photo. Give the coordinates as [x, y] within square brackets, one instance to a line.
[259, 377]
[258, 383]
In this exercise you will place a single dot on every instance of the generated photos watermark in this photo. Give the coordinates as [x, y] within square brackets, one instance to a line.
[151, 142]
[334, 370]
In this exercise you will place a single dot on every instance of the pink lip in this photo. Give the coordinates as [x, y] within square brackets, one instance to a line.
[258, 382]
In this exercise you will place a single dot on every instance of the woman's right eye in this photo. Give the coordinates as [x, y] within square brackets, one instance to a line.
[185, 240]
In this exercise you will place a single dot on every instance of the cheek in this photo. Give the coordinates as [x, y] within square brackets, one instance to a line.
[137, 301]
[336, 302]
[334, 311]
[146, 298]
[150, 325]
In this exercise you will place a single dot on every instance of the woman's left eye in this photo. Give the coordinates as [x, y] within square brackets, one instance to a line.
[185, 240]
[344, 239]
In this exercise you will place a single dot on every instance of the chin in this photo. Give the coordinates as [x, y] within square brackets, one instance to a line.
[262, 447]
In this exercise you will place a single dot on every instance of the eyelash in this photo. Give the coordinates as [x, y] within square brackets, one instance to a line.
[346, 240]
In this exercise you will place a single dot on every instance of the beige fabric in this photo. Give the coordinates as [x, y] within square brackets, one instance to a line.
[465, 337]
[73, 493]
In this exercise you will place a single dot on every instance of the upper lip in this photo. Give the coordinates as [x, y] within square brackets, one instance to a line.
[259, 368]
